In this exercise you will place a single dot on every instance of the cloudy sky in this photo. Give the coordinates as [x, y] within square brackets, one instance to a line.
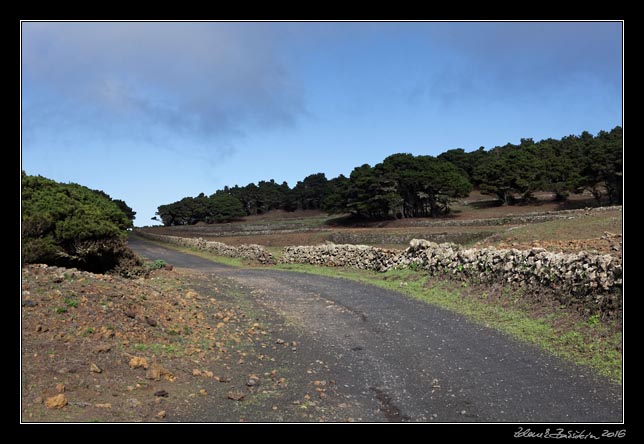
[153, 112]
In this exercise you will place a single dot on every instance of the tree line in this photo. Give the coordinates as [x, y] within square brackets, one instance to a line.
[404, 185]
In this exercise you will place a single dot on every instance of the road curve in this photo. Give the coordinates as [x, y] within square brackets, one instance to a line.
[404, 360]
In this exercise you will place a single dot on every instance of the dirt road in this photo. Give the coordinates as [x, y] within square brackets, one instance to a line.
[396, 359]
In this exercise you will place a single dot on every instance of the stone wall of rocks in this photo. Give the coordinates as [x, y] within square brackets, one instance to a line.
[252, 251]
[526, 218]
[591, 281]
[362, 257]
[594, 281]
[376, 237]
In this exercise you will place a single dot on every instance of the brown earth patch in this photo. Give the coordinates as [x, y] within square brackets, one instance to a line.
[98, 348]
[612, 246]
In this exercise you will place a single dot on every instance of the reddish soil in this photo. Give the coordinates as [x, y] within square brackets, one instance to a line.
[606, 245]
[179, 346]
[282, 215]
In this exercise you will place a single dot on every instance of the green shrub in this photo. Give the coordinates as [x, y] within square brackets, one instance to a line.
[70, 225]
[71, 302]
[156, 265]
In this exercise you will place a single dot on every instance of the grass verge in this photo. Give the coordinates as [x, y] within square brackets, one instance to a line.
[590, 342]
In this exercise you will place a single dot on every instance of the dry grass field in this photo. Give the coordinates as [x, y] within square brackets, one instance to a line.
[475, 221]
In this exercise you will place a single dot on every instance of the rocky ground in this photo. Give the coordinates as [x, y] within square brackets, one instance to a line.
[209, 343]
[173, 347]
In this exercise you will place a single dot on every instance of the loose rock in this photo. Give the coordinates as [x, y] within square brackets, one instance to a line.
[137, 362]
[156, 371]
[236, 396]
[130, 313]
[56, 402]
[102, 348]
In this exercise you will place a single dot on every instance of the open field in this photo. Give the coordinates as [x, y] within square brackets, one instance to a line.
[474, 221]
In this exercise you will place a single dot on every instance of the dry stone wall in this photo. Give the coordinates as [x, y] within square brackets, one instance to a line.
[591, 281]
[527, 218]
[594, 281]
[389, 238]
[362, 257]
[252, 251]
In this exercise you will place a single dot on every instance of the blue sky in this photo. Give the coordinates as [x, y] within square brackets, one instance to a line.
[153, 112]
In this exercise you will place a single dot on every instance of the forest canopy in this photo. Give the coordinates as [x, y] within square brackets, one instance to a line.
[404, 185]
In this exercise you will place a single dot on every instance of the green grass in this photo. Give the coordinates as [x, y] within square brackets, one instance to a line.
[276, 252]
[155, 265]
[70, 302]
[590, 343]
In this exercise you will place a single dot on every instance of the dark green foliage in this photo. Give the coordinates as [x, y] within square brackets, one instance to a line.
[156, 265]
[561, 167]
[129, 212]
[71, 225]
[404, 185]
[224, 207]
[419, 186]
[125, 208]
[567, 166]
[603, 166]
[511, 170]
[220, 207]
[177, 213]
[367, 194]
[263, 197]
[335, 200]
[465, 162]
[309, 193]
